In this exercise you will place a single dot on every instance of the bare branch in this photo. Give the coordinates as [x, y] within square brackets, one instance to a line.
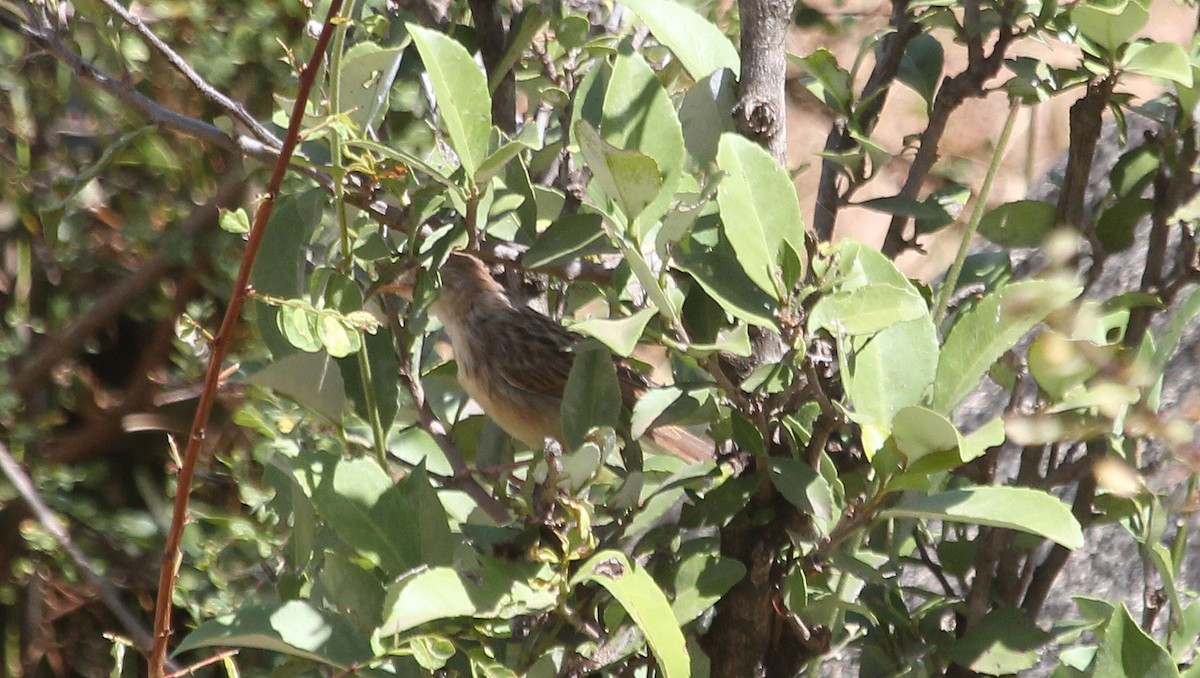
[231, 107]
[108, 595]
[874, 96]
[953, 92]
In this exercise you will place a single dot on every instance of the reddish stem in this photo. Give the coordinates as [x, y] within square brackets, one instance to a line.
[220, 349]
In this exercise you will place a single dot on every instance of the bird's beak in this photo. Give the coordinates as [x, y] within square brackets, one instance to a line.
[403, 285]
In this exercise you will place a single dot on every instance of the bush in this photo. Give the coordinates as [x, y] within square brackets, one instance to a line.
[904, 468]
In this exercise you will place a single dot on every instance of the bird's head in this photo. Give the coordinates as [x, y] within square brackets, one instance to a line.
[464, 282]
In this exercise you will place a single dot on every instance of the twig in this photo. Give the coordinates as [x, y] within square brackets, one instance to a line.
[220, 348]
[874, 95]
[953, 92]
[191, 670]
[118, 298]
[108, 595]
[933, 567]
[462, 478]
[156, 113]
[231, 107]
[964, 246]
[378, 210]
[1045, 573]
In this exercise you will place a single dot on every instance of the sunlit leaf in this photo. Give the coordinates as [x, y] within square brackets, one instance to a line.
[644, 601]
[464, 106]
[1015, 508]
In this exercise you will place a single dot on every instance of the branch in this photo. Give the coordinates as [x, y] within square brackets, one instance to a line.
[760, 111]
[874, 96]
[231, 108]
[1045, 574]
[1085, 131]
[220, 349]
[108, 595]
[378, 210]
[1172, 183]
[953, 92]
[493, 40]
[462, 477]
[156, 113]
[118, 298]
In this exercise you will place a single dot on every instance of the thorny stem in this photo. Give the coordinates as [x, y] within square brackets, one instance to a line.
[220, 349]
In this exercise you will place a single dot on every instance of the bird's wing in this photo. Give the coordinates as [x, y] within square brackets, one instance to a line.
[537, 358]
[534, 353]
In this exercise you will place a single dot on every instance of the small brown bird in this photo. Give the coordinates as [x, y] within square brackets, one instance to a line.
[515, 361]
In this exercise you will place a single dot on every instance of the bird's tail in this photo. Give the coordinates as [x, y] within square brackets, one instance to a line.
[682, 443]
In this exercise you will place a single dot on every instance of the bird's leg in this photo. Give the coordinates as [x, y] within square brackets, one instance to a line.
[546, 496]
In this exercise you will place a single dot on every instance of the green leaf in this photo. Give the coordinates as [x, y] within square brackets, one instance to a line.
[1004, 642]
[485, 589]
[496, 162]
[1134, 171]
[431, 652]
[396, 527]
[830, 83]
[700, 46]
[921, 66]
[992, 327]
[1015, 508]
[1110, 23]
[930, 212]
[464, 106]
[311, 379]
[706, 113]
[804, 488]
[352, 587]
[235, 221]
[1118, 223]
[735, 341]
[1059, 364]
[629, 178]
[700, 582]
[639, 115]
[649, 281]
[524, 28]
[1165, 342]
[293, 628]
[570, 237]
[368, 71]
[636, 591]
[1024, 223]
[989, 269]
[893, 368]
[279, 269]
[1165, 60]
[300, 326]
[661, 406]
[436, 593]
[920, 431]
[619, 334]
[338, 339]
[1126, 650]
[717, 270]
[592, 396]
[866, 310]
[759, 211]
